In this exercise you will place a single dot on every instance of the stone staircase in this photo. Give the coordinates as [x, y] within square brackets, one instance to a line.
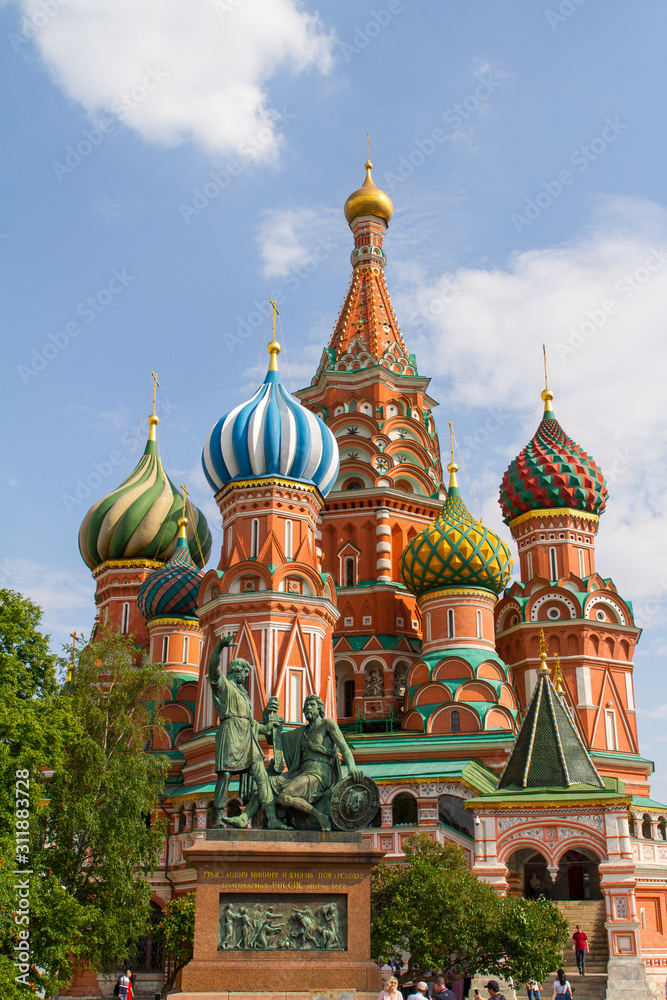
[590, 915]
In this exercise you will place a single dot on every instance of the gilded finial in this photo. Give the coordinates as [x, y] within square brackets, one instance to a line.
[452, 468]
[74, 637]
[543, 670]
[153, 420]
[558, 676]
[183, 521]
[547, 394]
[274, 346]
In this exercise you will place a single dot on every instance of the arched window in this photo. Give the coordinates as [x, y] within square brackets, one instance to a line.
[404, 811]
[631, 825]
[125, 626]
[480, 627]
[428, 626]
[662, 828]
[354, 485]
[165, 648]
[254, 538]
[182, 820]
[610, 728]
[193, 817]
[553, 564]
[455, 722]
[230, 537]
[582, 567]
[288, 539]
[186, 648]
[450, 623]
[529, 565]
[349, 571]
[647, 833]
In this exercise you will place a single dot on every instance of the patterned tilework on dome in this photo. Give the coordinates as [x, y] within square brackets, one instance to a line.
[173, 589]
[271, 434]
[552, 471]
[456, 550]
[139, 520]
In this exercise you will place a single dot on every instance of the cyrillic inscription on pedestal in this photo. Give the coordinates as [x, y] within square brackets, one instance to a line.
[281, 922]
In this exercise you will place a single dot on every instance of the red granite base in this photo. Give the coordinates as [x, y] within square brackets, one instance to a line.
[277, 869]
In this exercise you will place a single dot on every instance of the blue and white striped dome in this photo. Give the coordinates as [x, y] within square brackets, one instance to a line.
[271, 435]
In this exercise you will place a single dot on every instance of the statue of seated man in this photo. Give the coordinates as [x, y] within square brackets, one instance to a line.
[313, 766]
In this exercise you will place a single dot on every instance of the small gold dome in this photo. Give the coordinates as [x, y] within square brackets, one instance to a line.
[368, 200]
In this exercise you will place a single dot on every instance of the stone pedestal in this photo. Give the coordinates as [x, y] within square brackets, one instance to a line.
[281, 914]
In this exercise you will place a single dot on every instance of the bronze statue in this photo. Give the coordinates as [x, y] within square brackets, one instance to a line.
[313, 782]
[237, 749]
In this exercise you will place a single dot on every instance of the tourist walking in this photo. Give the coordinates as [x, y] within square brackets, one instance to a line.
[391, 990]
[561, 986]
[533, 990]
[420, 991]
[580, 948]
[441, 990]
[493, 989]
[124, 985]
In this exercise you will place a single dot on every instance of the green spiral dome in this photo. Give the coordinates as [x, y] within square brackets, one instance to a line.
[139, 520]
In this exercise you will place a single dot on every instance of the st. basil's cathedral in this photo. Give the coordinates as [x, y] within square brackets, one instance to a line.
[492, 713]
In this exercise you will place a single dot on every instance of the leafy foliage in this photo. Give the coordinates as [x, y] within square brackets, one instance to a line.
[434, 908]
[92, 785]
[176, 933]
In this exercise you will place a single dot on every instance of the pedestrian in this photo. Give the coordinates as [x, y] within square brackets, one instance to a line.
[533, 989]
[441, 989]
[535, 886]
[493, 989]
[125, 985]
[391, 990]
[580, 948]
[561, 986]
[420, 991]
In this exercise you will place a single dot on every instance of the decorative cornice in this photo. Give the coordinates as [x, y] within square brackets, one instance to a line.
[582, 515]
[288, 484]
[127, 564]
[458, 592]
[553, 804]
[184, 623]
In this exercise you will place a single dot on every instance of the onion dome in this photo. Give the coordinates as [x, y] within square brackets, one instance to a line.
[271, 434]
[368, 200]
[552, 471]
[455, 550]
[139, 520]
[172, 590]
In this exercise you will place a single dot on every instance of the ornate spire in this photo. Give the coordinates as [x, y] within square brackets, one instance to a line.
[547, 394]
[274, 346]
[452, 468]
[549, 752]
[367, 331]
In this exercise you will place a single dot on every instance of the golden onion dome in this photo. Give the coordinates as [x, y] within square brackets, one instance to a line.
[369, 200]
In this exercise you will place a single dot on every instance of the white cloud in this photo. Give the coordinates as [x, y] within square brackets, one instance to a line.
[482, 332]
[289, 238]
[177, 71]
[65, 596]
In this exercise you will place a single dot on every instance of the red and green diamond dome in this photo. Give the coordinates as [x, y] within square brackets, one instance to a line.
[552, 471]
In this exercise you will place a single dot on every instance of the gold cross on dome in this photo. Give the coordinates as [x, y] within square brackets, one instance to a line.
[155, 386]
[186, 494]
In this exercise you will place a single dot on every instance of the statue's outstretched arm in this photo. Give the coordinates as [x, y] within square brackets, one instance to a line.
[215, 658]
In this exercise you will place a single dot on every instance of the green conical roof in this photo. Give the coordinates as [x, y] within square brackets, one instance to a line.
[549, 752]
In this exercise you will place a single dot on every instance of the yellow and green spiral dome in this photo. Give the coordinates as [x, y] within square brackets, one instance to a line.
[455, 550]
[139, 519]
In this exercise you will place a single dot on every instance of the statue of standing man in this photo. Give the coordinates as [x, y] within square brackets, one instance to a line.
[237, 748]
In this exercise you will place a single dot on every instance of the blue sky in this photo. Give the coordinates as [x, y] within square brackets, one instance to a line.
[169, 165]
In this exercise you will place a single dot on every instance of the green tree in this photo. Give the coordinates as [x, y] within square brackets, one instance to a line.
[176, 933]
[91, 786]
[435, 908]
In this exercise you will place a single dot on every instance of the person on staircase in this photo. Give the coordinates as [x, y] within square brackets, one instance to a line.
[562, 987]
[580, 948]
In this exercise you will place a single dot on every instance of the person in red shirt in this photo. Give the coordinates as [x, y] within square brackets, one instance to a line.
[580, 948]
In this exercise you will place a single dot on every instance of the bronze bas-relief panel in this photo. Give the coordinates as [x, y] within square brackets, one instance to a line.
[282, 922]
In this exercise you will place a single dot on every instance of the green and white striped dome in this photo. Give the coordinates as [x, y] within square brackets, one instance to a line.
[139, 520]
